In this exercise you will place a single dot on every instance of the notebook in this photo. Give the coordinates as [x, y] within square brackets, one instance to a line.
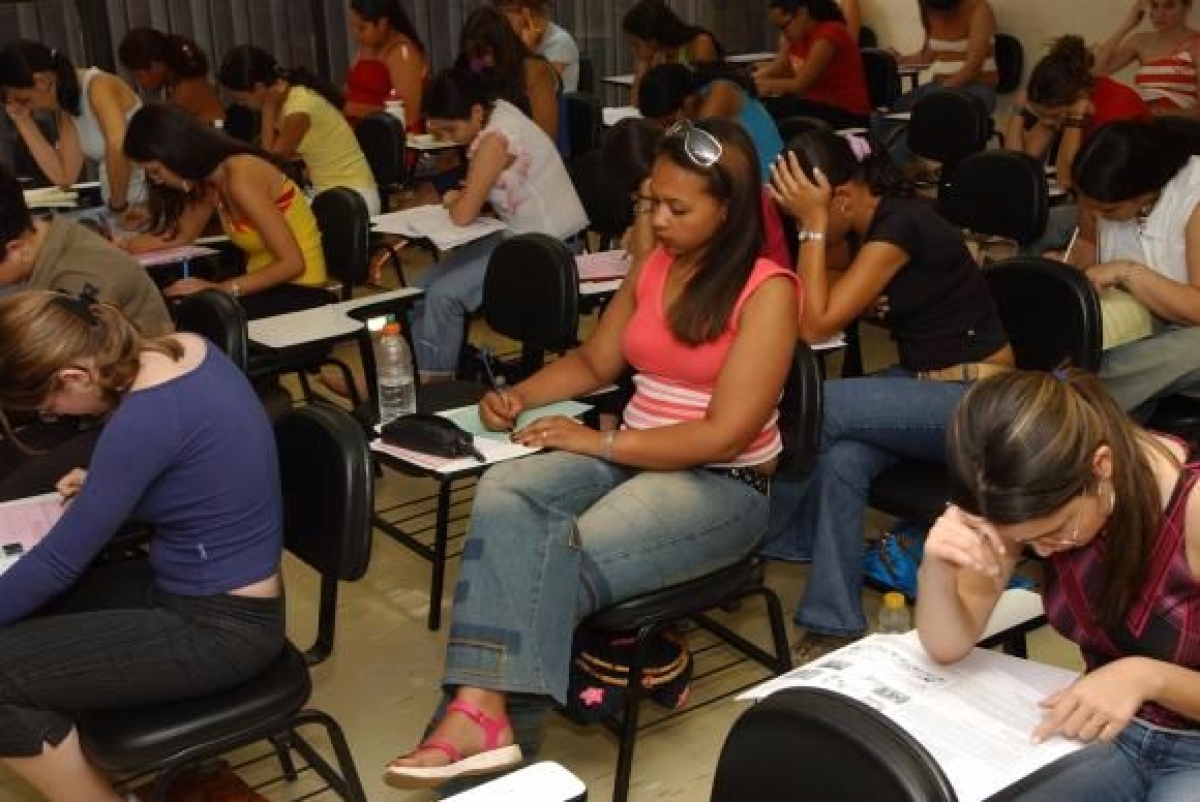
[23, 524]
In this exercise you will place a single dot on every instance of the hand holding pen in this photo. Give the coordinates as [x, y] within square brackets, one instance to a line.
[500, 408]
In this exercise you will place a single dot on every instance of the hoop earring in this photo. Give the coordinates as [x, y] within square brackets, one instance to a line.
[187, 186]
[1112, 497]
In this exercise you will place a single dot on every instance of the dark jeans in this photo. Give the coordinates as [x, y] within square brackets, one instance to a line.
[115, 641]
[51, 451]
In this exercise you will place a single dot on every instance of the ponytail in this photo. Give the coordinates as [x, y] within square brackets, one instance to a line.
[853, 157]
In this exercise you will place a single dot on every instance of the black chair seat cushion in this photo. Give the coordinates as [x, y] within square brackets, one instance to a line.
[443, 395]
[127, 740]
[1178, 415]
[677, 601]
[912, 489]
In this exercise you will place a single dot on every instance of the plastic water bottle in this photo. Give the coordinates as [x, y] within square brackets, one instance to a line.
[394, 367]
[395, 107]
[894, 617]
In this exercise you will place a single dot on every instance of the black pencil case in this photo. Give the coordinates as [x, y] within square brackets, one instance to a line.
[430, 434]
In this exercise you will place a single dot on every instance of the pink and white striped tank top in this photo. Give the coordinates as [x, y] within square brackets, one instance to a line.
[675, 381]
[1169, 82]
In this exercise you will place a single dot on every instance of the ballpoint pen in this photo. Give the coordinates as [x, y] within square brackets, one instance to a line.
[498, 382]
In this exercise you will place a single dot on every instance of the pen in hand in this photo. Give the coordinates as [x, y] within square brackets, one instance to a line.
[498, 383]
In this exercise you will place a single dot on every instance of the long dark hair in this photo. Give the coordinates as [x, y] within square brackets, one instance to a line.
[22, 59]
[487, 31]
[835, 157]
[187, 147]
[247, 65]
[703, 310]
[393, 12]
[1063, 74]
[654, 21]
[819, 10]
[1021, 446]
[141, 47]
[1128, 158]
[627, 152]
[454, 92]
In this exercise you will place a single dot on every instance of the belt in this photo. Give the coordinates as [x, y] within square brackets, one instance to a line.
[747, 476]
[964, 372]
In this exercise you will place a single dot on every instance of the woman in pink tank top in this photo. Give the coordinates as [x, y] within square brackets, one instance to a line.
[1051, 463]
[602, 516]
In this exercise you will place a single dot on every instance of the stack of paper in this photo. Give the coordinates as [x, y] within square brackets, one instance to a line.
[50, 197]
[603, 265]
[167, 256]
[433, 223]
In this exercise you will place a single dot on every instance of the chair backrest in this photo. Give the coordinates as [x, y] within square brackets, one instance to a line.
[999, 193]
[800, 412]
[218, 317]
[1050, 311]
[583, 122]
[607, 205]
[345, 227]
[587, 74]
[820, 746]
[381, 137]
[947, 126]
[328, 489]
[883, 76]
[1010, 62]
[531, 294]
[867, 37]
[790, 127]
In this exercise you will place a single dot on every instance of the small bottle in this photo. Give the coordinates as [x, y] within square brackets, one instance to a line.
[394, 369]
[395, 107]
[894, 617]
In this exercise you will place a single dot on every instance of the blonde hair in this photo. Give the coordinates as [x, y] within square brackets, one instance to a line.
[44, 332]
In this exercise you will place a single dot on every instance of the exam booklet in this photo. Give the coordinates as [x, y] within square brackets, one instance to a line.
[975, 717]
[24, 522]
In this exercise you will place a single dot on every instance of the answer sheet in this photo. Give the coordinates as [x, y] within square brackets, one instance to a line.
[974, 717]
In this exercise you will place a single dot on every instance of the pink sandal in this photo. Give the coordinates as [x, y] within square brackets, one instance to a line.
[492, 759]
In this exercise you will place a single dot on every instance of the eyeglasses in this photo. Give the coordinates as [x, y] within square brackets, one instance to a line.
[1056, 539]
[701, 147]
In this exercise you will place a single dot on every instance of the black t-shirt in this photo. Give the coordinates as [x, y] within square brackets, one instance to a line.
[941, 312]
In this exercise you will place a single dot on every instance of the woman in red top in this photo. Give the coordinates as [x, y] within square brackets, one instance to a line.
[391, 62]
[1052, 464]
[818, 71]
[1064, 98]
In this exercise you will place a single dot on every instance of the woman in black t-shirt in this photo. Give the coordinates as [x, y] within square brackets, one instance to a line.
[843, 190]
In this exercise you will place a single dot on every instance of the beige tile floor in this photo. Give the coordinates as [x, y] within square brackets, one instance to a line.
[382, 681]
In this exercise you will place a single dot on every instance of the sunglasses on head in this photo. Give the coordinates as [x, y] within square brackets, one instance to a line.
[701, 147]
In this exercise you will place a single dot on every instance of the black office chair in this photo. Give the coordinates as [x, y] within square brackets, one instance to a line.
[946, 127]
[608, 206]
[883, 76]
[819, 746]
[867, 37]
[345, 227]
[587, 74]
[998, 193]
[382, 138]
[325, 470]
[1052, 317]
[651, 614]
[531, 295]
[583, 122]
[1010, 63]
[217, 316]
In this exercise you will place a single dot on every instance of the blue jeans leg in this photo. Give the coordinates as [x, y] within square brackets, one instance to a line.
[453, 291]
[556, 536]
[869, 424]
[1145, 370]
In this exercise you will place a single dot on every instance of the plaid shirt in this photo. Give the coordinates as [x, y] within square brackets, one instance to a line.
[1163, 622]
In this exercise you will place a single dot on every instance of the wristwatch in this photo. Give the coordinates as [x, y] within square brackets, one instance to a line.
[803, 236]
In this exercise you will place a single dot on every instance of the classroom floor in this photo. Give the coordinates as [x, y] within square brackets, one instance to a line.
[381, 683]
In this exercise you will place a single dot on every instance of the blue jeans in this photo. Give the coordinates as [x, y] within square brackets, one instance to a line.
[869, 424]
[1143, 763]
[556, 536]
[882, 127]
[1142, 371]
[453, 291]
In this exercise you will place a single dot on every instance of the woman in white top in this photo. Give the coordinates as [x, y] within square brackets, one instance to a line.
[513, 167]
[91, 109]
[1139, 192]
[530, 19]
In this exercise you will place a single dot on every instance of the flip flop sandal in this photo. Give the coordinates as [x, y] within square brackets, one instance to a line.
[492, 759]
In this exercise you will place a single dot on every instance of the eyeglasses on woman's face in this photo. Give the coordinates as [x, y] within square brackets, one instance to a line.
[699, 145]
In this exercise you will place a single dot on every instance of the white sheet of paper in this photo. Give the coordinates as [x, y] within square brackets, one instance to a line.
[603, 265]
[975, 717]
[433, 222]
[611, 115]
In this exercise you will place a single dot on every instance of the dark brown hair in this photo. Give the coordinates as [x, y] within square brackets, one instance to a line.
[1063, 74]
[1021, 446]
[704, 308]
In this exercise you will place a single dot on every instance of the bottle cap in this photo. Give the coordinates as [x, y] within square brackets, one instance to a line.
[893, 600]
[394, 328]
